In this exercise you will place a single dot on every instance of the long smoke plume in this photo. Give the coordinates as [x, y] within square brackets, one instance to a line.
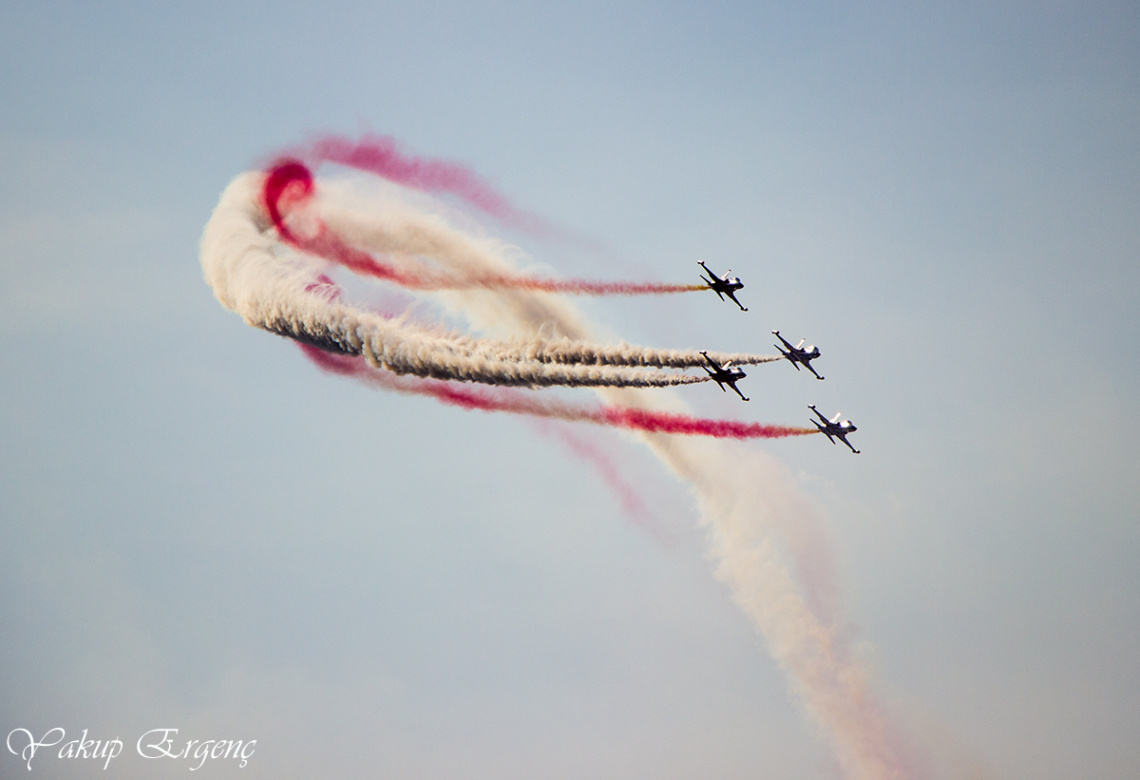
[288, 293]
[290, 187]
[628, 418]
[765, 537]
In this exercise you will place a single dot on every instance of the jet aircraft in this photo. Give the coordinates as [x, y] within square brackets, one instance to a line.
[727, 374]
[835, 428]
[722, 285]
[798, 354]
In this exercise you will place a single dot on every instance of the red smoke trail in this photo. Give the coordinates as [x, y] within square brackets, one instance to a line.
[516, 402]
[664, 422]
[289, 184]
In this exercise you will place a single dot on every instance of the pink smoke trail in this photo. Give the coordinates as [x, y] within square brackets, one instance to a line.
[516, 402]
[381, 155]
[289, 184]
[628, 498]
[631, 503]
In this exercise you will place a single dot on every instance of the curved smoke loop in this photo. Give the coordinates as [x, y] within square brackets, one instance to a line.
[765, 537]
[289, 294]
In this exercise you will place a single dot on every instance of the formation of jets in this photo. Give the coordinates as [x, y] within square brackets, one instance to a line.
[798, 355]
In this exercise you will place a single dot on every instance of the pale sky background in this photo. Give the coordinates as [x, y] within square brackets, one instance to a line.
[199, 530]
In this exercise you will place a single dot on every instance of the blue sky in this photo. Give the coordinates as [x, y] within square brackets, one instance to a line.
[200, 530]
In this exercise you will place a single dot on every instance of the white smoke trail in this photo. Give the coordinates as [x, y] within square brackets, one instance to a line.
[746, 499]
[566, 350]
[749, 503]
[751, 507]
[405, 236]
[280, 292]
